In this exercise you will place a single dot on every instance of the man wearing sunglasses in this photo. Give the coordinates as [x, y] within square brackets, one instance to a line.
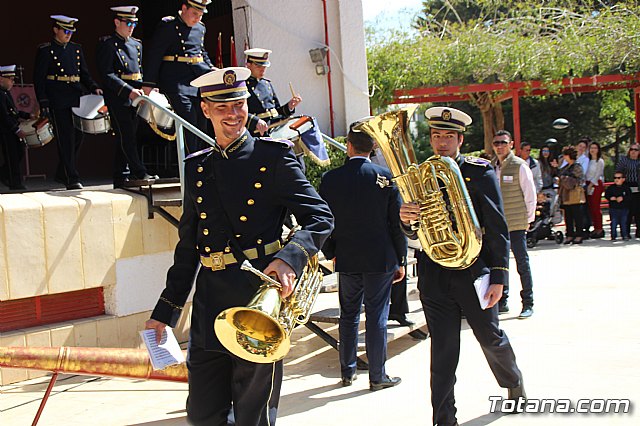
[119, 58]
[519, 196]
[60, 78]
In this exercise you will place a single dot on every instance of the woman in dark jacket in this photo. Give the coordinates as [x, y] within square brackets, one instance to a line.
[571, 182]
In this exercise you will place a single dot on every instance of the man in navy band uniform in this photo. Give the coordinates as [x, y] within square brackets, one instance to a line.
[446, 293]
[59, 76]
[10, 132]
[369, 254]
[263, 101]
[175, 56]
[119, 59]
[256, 181]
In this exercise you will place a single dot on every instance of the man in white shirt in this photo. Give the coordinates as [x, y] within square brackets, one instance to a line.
[525, 154]
[519, 197]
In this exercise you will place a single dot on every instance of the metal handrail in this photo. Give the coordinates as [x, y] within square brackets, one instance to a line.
[334, 142]
[180, 124]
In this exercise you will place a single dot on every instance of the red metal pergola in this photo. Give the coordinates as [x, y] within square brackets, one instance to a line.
[517, 89]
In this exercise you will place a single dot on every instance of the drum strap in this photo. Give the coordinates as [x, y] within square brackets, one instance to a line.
[271, 113]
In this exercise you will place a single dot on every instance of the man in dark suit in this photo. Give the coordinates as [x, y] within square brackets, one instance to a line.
[235, 199]
[119, 59]
[369, 251]
[175, 56]
[445, 293]
[60, 72]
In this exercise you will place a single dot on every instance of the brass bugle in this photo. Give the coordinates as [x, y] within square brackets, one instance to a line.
[108, 362]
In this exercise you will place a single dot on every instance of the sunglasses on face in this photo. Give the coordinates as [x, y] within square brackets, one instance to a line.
[67, 32]
[498, 143]
[619, 177]
[545, 151]
[129, 23]
[634, 149]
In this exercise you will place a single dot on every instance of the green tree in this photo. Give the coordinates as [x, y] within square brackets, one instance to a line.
[462, 42]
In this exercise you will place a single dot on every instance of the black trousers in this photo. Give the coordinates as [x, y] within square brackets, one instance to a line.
[13, 153]
[399, 304]
[573, 219]
[443, 299]
[219, 382]
[124, 122]
[188, 107]
[69, 140]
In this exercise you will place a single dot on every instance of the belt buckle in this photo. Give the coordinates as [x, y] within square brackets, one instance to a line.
[217, 261]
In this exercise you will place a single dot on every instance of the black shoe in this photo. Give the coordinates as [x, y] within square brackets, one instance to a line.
[348, 381]
[145, 179]
[568, 240]
[75, 185]
[419, 334]
[516, 395]
[597, 234]
[527, 311]
[503, 308]
[578, 240]
[386, 382]
[402, 320]
[145, 176]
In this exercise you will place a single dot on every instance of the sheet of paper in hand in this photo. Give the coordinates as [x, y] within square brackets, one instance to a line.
[166, 353]
[482, 285]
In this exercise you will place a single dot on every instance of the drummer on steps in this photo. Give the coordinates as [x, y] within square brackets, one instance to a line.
[263, 101]
[10, 132]
[59, 76]
[119, 59]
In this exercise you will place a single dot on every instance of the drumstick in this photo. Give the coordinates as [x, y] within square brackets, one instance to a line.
[293, 92]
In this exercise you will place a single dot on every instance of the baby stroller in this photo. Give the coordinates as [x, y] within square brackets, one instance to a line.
[542, 226]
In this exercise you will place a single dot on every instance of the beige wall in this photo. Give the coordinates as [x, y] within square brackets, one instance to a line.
[290, 29]
[64, 241]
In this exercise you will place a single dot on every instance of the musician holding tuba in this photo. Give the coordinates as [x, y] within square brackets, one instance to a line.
[236, 196]
[447, 293]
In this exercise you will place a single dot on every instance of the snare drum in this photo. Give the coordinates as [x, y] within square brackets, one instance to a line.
[304, 133]
[155, 116]
[37, 132]
[91, 116]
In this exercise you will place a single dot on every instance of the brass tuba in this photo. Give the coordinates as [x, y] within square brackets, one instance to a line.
[261, 331]
[452, 245]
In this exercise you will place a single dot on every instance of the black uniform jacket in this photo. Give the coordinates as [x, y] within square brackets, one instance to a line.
[176, 39]
[484, 191]
[56, 63]
[263, 98]
[9, 114]
[366, 205]
[257, 181]
[120, 66]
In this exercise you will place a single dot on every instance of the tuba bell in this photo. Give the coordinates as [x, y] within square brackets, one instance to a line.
[452, 244]
[261, 331]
